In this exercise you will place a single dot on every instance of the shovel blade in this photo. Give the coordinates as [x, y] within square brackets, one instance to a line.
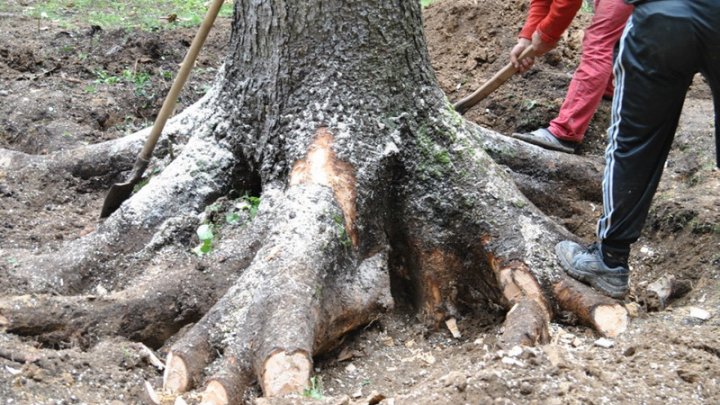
[118, 193]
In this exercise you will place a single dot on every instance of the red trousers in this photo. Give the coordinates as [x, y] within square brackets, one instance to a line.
[593, 77]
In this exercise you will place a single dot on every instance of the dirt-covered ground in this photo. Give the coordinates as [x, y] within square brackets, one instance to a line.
[64, 88]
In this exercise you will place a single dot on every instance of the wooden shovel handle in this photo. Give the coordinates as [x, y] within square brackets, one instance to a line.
[491, 85]
[182, 76]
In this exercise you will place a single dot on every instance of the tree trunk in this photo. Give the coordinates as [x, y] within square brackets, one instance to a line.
[372, 190]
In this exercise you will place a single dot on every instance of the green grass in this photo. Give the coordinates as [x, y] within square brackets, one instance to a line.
[315, 391]
[138, 14]
[426, 3]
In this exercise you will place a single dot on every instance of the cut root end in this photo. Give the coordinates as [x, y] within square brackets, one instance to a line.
[215, 394]
[285, 373]
[176, 379]
[611, 320]
[527, 322]
[604, 314]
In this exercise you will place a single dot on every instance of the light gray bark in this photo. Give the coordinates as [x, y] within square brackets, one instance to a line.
[330, 112]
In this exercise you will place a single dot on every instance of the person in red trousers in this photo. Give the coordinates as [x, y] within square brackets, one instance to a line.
[593, 78]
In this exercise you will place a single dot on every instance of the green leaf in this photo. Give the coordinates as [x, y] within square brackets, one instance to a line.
[203, 248]
[315, 391]
[232, 218]
[213, 208]
[205, 233]
[253, 203]
[206, 247]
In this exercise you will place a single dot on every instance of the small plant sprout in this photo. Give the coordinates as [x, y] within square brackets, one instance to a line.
[90, 88]
[232, 218]
[214, 207]
[250, 204]
[315, 391]
[342, 232]
[245, 203]
[145, 180]
[139, 79]
[103, 77]
[206, 236]
[140, 184]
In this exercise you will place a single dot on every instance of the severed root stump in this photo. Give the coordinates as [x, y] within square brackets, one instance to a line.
[288, 305]
[527, 321]
[603, 313]
[284, 373]
[658, 294]
[525, 325]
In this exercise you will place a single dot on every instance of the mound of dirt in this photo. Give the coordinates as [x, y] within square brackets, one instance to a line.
[61, 88]
[470, 40]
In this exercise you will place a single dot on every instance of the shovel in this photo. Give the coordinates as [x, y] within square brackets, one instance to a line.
[491, 85]
[120, 192]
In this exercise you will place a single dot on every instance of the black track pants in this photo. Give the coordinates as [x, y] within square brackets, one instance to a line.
[665, 43]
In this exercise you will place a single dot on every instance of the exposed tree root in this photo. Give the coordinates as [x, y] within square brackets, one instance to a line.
[526, 323]
[185, 187]
[538, 171]
[110, 157]
[205, 170]
[290, 303]
[515, 238]
[604, 314]
[166, 296]
[475, 239]
[149, 313]
[105, 158]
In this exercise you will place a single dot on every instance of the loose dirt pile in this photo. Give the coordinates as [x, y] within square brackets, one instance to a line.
[469, 41]
[60, 89]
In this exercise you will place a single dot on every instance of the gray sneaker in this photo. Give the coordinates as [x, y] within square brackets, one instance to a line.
[543, 137]
[586, 264]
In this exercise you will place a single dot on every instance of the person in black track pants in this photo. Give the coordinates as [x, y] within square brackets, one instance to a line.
[665, 43]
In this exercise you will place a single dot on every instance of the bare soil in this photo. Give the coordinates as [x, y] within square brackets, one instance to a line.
[61, 89]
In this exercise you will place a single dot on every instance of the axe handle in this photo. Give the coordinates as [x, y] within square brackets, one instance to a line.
[182, 76]
[491, 85]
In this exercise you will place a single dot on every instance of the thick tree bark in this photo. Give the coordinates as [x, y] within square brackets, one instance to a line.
[370, 184]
